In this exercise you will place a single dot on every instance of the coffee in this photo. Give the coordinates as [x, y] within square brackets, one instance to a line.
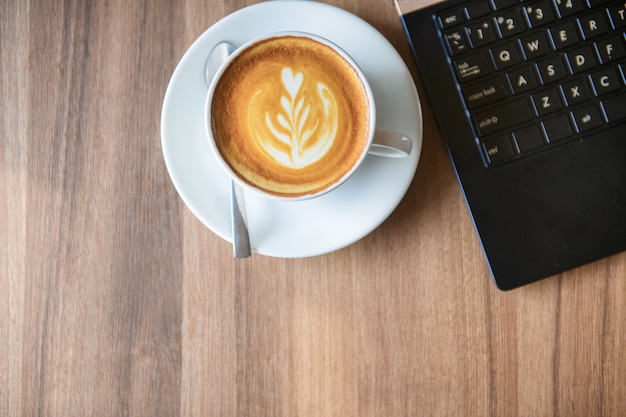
[291, 116]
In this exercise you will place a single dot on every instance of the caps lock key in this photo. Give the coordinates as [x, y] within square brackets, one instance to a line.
[485, 92]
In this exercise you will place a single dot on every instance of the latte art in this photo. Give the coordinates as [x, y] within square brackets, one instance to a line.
[290, 116]
[306, 126]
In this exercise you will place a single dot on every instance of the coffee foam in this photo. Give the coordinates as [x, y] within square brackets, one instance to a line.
[290, 116]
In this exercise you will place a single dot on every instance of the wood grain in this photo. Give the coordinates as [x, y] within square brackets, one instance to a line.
[116, 301]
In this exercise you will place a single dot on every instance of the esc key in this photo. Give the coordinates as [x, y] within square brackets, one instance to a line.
[450, 19]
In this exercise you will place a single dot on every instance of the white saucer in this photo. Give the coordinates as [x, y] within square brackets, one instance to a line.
[310, 227]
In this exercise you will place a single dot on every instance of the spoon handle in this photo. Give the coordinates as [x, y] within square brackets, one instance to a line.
[241, 239]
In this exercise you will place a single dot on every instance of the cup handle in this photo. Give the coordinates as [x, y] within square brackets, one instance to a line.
[390, 144]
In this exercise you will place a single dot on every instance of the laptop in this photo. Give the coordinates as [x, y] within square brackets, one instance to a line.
[530, 99]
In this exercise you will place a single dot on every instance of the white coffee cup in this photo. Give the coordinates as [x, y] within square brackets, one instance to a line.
[376, 141]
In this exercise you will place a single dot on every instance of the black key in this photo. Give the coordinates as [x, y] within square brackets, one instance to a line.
[564, 35]
[502, 4]
[552, 69]
[539, 13]
[476, 10]
[610, 49]
[617, 14]
[595, 3]
[502, 117]
[485, 92]
[546, 102]
[528, 139]
[522, 80]
[472, 66]
[450, 19]
[593, 25]
[615, 108]
[605, 81]
[586, 118]
[569, 7]
[535, 45]
[457, 42]
[498, 149]
[481, 33]
[505, 56]
[581, 59]
[510, 23]
[558, 128]
[575, 92]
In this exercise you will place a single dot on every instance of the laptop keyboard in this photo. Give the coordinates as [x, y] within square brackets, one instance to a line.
[534, 74]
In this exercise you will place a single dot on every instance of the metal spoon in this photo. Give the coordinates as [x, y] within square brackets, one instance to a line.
[241, 238]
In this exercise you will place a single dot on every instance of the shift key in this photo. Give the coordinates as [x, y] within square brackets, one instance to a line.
[502, 117]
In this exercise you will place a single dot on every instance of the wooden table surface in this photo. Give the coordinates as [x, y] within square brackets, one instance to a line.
[116, 301]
